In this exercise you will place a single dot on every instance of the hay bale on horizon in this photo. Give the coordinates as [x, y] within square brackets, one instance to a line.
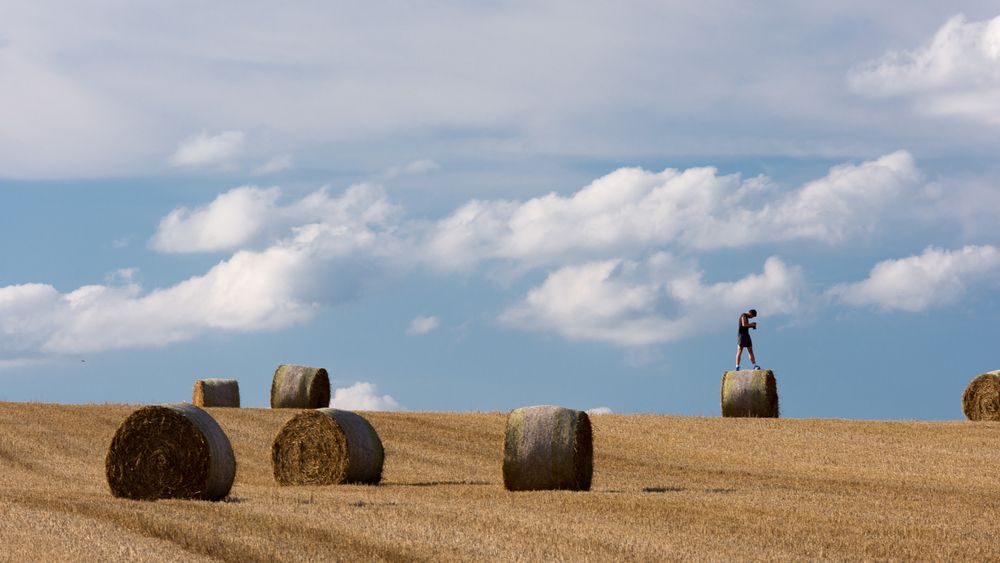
[300, 387]
[170, 451]
[981, 399]
[750, 393]
[548, 447]
[216, 393]
[327, 447]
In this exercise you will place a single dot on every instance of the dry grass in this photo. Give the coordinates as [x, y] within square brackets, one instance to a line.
[663, 488]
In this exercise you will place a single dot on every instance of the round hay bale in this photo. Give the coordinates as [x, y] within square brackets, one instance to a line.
[170, 451]
[981, 399]
[216, 393]
[300, 387]
[327, 447]
[752, 393]
[548, 447]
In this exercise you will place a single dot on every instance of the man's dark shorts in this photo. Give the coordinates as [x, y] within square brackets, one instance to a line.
[744, 340]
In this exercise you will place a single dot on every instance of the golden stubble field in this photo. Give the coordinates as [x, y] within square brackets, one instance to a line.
[664, 488]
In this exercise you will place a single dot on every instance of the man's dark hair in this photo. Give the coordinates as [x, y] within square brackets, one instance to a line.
[753, 312]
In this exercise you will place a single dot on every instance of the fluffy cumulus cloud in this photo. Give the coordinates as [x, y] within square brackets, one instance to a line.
[240, 216]
[660, 300]
[280, 285]
[422, 325]
[695, 208]
[599, 410]
[363, 396]
[956, 73]
[231, 220]
[628, 210]
[209, 150]
[603, 251]
[933, 279]
[250, 291]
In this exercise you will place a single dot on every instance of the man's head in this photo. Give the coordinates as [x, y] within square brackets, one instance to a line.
[752, 313]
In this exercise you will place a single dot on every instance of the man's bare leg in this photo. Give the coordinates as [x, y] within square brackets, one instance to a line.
[739, 355]
[753, 360]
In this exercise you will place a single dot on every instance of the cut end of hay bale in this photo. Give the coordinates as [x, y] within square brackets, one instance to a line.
[548, 447]
[327, 447]
[300, 387]
[170, 451]
[981, 399]
[216, 393]
[750, 393]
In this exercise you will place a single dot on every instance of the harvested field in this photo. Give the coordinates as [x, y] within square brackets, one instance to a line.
[663, 488]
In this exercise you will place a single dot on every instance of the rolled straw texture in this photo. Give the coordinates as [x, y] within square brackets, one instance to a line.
[170, 451]
[548, 447]
[752, 393]
[300, 387]
[327, 447]
[216, 393]
[981, 399]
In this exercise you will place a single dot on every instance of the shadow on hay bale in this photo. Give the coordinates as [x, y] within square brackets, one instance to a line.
[300, 387]
[750, 393]
[170, 451]
[327, 447]
[548, 447]
[216, 393]
[981, 399]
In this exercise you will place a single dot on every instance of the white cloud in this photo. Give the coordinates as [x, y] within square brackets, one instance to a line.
[276, 164]
[956, 74]
[416, 167]
[205, 150]
[230, 221]
[599, 410]
[242, 215]
[930, 280]
[363, 396]
[632, 208]
[250, 291]
[423, 325]
[637, 304]
[298, 254]
[269, 289]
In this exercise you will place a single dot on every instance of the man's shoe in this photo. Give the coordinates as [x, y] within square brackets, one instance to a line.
[756, 366]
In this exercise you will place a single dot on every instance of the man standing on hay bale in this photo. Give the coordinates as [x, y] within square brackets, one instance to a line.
[743, 338]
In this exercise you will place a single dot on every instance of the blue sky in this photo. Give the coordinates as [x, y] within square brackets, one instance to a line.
[479, 207]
